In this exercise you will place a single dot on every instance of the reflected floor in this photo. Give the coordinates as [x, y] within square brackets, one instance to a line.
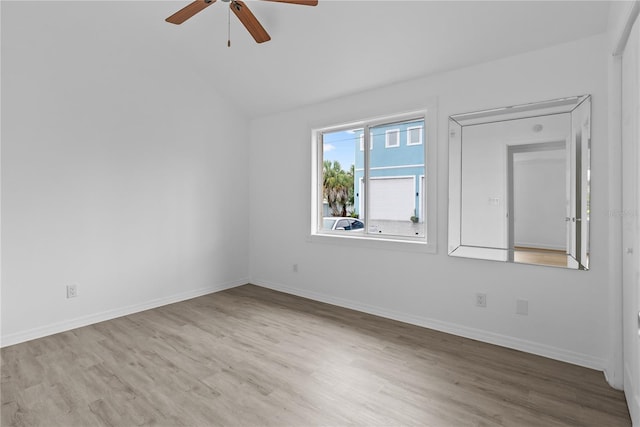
[539, 256]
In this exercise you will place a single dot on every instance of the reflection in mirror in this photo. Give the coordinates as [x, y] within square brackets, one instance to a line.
[519, 183]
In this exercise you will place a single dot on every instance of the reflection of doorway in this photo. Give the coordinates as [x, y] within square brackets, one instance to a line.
[537, 203]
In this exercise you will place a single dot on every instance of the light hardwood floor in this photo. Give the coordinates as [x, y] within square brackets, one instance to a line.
[540, 256]
[250, 356]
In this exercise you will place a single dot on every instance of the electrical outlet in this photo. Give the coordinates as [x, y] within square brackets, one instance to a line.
[295, 268]
[72, 291]
[481, 300]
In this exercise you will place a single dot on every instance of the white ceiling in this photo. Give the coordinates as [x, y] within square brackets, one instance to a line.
[342, 47]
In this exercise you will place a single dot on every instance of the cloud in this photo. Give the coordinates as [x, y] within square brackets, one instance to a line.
[328, 147]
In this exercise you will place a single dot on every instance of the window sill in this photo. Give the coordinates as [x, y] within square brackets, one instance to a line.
[385, 243]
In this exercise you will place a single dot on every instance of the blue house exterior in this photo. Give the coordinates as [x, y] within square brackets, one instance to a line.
[397, 171]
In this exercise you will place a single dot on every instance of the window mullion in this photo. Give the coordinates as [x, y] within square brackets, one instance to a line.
[320, 178]
[365, 192]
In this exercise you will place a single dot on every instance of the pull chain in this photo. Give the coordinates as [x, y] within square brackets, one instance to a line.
[229, 26]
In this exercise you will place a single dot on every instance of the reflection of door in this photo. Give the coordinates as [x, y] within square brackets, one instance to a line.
[630, 226]
[536, 196]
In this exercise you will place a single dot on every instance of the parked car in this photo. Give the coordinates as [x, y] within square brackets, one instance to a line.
[342, 223]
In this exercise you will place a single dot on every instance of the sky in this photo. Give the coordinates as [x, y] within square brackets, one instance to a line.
[340, 146]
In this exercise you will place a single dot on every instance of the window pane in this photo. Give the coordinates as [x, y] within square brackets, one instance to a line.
[338, 168]
[327, 223]
[397, 183]
[414, 136]
[392, 138]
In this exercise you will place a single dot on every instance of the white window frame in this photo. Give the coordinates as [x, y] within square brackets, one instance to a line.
[409, 129]
[386, 138]
[428, 243]
[362, 142]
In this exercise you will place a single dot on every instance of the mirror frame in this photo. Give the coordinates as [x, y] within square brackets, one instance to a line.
[579, 108]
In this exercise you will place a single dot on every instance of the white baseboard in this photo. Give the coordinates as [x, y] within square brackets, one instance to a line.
[65, 325]
[612, 380]
[451, 328]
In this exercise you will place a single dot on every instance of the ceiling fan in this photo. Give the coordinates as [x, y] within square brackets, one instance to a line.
[240, 9]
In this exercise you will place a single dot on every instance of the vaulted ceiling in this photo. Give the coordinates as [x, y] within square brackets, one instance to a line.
[337, 47]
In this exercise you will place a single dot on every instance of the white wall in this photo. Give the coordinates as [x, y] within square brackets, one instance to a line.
[122, 172]
[568, 310]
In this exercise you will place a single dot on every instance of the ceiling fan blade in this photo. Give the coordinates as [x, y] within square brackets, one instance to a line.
[302, 2]
[249, 21]
[188, 11]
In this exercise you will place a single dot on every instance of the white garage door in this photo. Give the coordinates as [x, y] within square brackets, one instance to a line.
[392, 198]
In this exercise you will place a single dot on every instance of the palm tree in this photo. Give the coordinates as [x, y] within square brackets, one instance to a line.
[337, 187]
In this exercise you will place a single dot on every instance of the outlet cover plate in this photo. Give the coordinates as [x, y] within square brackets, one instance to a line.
[72, 291]
[481, 300]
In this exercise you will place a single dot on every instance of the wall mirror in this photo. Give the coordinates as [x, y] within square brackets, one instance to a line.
[519, 183]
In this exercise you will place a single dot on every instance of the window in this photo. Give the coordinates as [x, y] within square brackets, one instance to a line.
[414, 135]
[375, 195]
[392, 138]
[362, 142]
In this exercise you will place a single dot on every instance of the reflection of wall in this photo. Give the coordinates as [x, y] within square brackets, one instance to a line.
[483, 190]
[540, 201]
[484, 174]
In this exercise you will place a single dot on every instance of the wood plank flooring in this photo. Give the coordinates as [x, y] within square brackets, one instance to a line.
[540, 256]
[250, 356]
